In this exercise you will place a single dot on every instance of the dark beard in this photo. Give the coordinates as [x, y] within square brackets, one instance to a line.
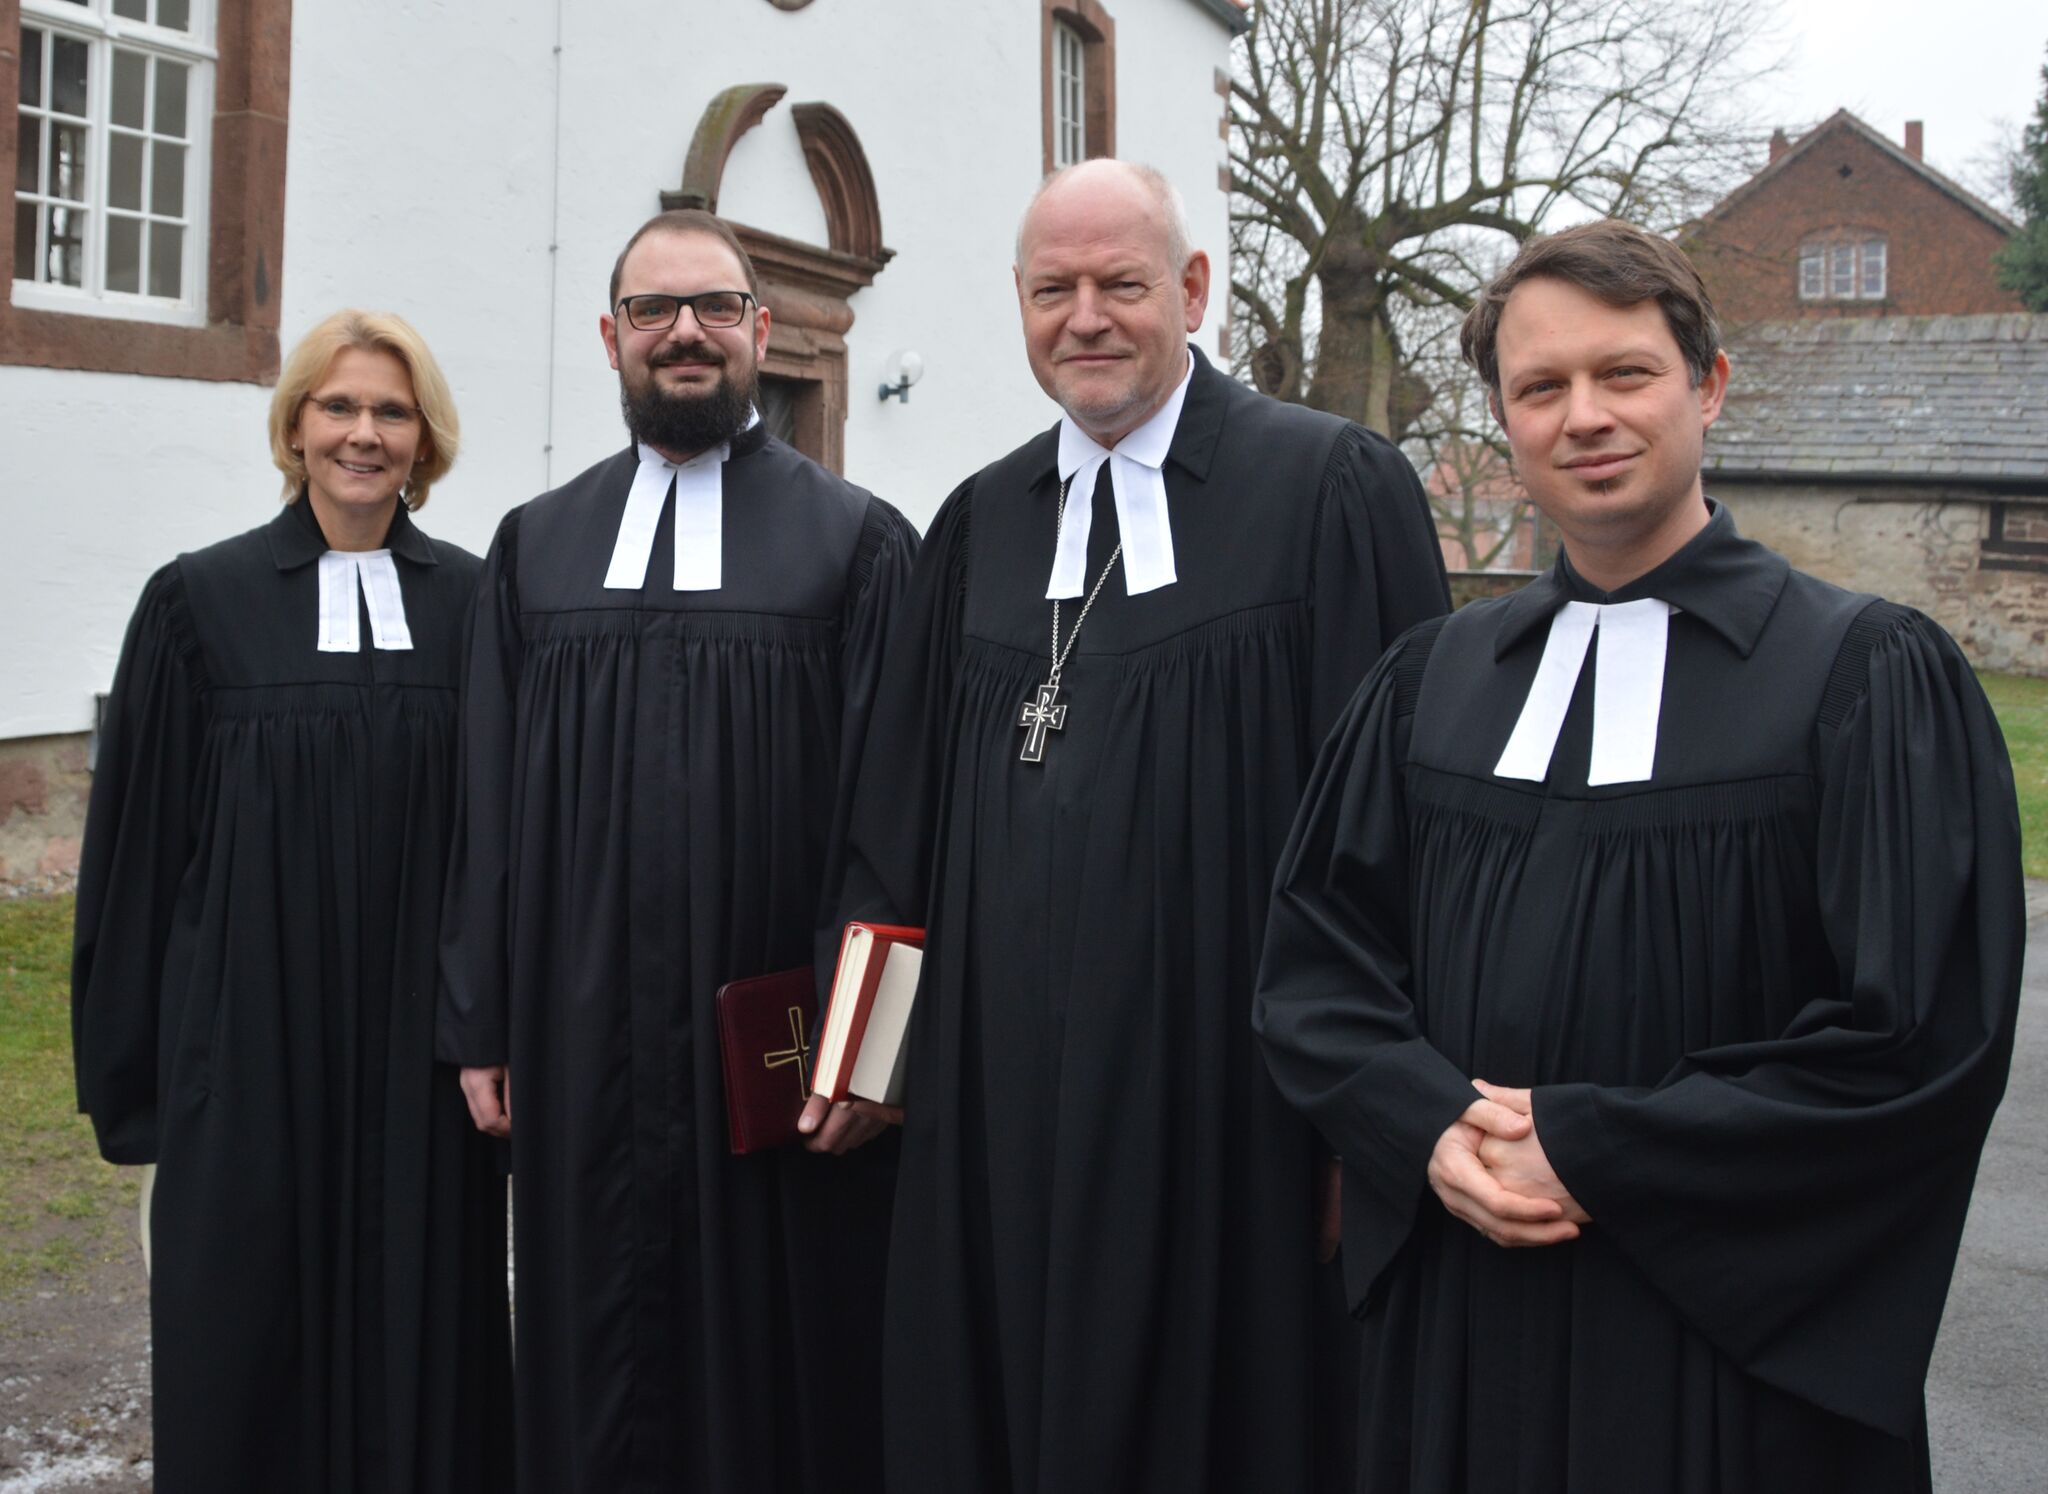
[687, 422]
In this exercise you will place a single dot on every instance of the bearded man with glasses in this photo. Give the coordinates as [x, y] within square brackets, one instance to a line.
[666, 692]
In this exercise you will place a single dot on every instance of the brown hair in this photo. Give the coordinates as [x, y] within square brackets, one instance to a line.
[374, 332]
[1616, 262]
[686, 220]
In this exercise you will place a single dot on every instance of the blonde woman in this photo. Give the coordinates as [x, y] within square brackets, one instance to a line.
[253, 982]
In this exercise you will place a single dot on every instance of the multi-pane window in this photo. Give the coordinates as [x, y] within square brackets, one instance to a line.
[110, 155]
[1839, 269]
[1069, 96]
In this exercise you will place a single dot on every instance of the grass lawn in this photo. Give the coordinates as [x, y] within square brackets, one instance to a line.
[2022, 707]
[60, 1206]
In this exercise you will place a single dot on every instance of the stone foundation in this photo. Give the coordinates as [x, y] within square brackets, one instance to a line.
[43, 789]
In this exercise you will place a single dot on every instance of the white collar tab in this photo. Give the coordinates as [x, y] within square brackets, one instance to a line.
[1138, 481]
[1628, 692]
[342, 572]
[699, 487]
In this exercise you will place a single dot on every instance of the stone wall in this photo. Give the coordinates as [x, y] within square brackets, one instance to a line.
[43, 788]
[1471, 586]
[1954, 556]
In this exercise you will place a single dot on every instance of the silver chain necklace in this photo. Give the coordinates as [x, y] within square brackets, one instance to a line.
[1045, 711]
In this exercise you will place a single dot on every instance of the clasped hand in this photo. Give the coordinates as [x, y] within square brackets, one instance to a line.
[1490, 1170]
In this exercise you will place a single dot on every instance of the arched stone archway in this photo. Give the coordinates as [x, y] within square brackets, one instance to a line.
[806, 287]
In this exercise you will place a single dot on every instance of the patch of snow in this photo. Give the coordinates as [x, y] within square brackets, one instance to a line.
[41, 1472]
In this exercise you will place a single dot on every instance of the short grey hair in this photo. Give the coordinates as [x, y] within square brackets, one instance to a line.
[1180, 246]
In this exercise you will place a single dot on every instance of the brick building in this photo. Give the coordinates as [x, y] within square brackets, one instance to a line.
[1844, 223]
[1906, 456]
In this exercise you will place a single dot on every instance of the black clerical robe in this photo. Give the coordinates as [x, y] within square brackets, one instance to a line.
[1102, 1271]
[651, 796]
[1765, 1001]
[253, 1009]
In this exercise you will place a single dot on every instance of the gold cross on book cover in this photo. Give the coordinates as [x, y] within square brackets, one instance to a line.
[764, 1038]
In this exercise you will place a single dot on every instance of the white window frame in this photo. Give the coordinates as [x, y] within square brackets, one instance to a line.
[1841, 272]
[95, 23]
[1813, 272]
[1069, 95]
[1842, 267]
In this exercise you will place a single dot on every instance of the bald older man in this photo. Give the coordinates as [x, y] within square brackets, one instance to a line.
[1121, 646]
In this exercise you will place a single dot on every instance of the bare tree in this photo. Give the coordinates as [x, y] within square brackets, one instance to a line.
[1384, 152]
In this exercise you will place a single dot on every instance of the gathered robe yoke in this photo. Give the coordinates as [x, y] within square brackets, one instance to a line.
[253, 1009]
[1765, 1002]
[652, 795]
[1102, 1272]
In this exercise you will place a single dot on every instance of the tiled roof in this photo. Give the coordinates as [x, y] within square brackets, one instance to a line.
[1843, 120]
[1911, 399]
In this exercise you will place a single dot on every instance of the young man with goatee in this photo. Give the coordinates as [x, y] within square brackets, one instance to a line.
[663, 707]
[1119, 649]
[1648, 945]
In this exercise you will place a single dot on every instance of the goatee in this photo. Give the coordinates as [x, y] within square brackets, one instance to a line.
[672, 421]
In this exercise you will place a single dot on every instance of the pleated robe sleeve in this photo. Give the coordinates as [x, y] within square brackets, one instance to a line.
[140, 833]
[1799, 1200]
[880, 578]
[1377, 570]
[1333, 1009]
[888, 856]
[471, 1020]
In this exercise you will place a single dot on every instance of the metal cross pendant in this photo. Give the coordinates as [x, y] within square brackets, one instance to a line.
[1045, 711]
[798, 1052]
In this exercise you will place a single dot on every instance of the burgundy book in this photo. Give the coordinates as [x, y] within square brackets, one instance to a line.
[764, 1044]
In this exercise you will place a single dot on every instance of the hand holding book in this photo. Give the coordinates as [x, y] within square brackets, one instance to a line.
[840, 1128]
[861, 1047]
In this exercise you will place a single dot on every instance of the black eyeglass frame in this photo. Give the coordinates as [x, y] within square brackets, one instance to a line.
[626, 306]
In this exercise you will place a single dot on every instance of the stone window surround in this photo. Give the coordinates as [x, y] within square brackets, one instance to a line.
[1097, 30]
[805, 287]
[245, 248]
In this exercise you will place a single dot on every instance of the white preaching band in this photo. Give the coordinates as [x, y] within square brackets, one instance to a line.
[1140, 488]
[699, 487]
[1628, 691]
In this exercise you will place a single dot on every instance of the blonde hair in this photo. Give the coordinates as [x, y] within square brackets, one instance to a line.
[372, 331]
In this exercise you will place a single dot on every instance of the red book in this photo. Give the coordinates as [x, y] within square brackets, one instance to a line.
[764, 1044]
[860, 1051]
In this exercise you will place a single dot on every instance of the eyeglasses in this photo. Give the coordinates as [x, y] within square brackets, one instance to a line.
[657, 313]
[389, 414]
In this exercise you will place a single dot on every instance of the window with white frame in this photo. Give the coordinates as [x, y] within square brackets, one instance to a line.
[1842, 269]
[1070, 96]
[111, 157]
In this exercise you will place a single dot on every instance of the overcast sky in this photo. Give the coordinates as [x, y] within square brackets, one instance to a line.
[1963, 67]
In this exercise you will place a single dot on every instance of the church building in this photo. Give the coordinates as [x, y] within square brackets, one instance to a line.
[196, 182]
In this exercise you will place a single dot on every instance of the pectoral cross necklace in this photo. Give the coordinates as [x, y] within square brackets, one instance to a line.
[1045, 711]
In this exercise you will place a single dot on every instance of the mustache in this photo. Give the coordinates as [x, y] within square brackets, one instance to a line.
[686, 352]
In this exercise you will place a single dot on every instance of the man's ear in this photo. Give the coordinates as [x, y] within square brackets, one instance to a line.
[608, 329]
[1194, 285]
[1714, 389]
